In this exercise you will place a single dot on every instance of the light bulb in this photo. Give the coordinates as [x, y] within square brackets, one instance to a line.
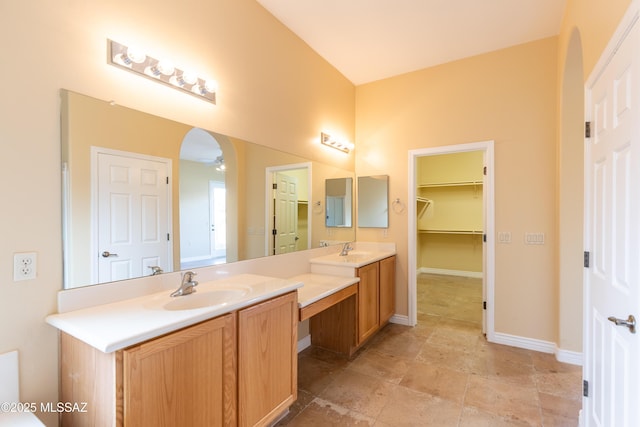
[165, 67]
[136, 55]
[189, 77]
[211, 86]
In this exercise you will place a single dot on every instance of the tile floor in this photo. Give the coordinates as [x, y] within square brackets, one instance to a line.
[440, 373]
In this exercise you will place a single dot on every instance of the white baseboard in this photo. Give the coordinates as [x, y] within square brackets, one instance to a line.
[564, 356]
[304, 343]
[475, 274]
[400, 319]
[522, 342]
[568, 356]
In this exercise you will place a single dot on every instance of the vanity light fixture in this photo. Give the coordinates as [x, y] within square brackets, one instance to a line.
[338, 145]
[163, 71]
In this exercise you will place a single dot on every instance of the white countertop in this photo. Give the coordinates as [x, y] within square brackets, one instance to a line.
[118, 325]
[318, 286]
[355, 258]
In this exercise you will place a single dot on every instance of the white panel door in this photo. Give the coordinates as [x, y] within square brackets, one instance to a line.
[286, 214]
[612, 169]
[133, 218]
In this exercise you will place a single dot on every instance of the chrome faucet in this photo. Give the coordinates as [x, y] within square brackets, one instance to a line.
[187, 286]
[346, 247]
[155, 270]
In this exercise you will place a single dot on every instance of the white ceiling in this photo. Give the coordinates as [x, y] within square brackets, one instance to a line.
[368, 40]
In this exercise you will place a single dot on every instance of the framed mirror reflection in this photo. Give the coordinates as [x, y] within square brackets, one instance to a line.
[338, 202]
[143, 194]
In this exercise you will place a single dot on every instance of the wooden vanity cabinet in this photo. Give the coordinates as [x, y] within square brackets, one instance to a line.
[236, 369]
[184, 378]
[267, 360]
[187, 377]
[368, 301]
[387, 291]
[376, 296]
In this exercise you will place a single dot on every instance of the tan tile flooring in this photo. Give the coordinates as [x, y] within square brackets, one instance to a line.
[440, 373]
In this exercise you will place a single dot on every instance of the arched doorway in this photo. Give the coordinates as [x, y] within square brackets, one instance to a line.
[571, 203]
[202, 201]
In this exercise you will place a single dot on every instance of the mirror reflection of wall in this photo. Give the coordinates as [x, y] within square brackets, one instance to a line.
[338, 202]
[373, 201]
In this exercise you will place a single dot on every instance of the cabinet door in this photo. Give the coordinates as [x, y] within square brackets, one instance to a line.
[368, 309]
[186, 378]
[387, 289]
[267, 359]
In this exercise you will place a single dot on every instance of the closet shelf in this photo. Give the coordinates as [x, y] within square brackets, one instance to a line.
[433, 231]
[449, 184]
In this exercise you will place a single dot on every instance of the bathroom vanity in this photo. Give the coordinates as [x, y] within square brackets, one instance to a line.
[224, 355]
[361, 309]
[136, 363]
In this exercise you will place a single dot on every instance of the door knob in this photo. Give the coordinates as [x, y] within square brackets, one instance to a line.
[629, 323]
[107, 254]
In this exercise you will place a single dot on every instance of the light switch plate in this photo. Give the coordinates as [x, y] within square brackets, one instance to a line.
[534, 238]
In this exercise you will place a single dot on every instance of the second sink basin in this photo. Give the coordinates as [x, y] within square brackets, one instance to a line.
[355, 258]
[205, 299]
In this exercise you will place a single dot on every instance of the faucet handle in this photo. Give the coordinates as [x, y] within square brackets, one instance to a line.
[187, 276]
[155, 270]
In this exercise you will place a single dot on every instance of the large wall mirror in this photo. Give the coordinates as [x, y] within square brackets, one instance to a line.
[141, 191]
[373, 201]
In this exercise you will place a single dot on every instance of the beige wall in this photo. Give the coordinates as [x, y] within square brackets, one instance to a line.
[514, 97]
[507, 96]
[274, 91]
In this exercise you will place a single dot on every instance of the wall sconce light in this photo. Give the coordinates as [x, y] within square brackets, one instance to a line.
[163, 71]
[338, 145]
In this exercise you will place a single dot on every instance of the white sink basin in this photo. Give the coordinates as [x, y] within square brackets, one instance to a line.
[205, 299]
[355, 258]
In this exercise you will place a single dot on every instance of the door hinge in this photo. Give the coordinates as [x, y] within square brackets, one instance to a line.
[586, 259]
[587, 129]
[484, 305]
[484, 237]
[484, 170]
[168, 237]
[274, 232]
[585, 388]
[167, 180]
[274, 186]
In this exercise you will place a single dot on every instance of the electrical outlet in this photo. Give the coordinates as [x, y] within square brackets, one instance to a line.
[25, 266]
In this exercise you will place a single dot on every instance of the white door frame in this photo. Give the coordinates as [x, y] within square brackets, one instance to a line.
[268, 198]
[214, 253]
[95, 152]
[489, 224]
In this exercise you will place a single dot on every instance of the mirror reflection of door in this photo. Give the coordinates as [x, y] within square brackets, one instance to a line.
[133, 215]
[287, 191]
[285, 219]
[202, 201]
